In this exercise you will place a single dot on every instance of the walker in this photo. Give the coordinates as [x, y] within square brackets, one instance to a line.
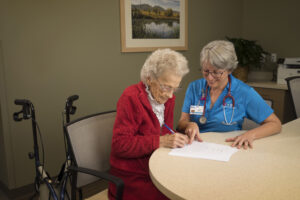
[44, 186]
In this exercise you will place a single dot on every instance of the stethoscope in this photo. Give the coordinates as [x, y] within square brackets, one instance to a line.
[203, 119]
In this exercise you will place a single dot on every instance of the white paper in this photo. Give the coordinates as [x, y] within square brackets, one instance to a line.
[205, 150]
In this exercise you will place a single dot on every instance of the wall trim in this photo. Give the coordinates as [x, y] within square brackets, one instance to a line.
[24, 191]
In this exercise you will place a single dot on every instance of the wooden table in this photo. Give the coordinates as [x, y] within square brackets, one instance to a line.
[269, 171]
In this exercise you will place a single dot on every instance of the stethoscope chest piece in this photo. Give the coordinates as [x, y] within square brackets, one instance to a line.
[202, 119]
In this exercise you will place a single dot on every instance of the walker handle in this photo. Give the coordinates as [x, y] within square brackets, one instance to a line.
[26, 105]
[22, 102]
[69, 104]
[72, 98]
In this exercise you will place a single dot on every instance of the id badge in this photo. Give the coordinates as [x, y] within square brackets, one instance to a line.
[196, 110]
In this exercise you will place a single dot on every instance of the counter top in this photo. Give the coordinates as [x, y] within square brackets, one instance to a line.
[270, 84]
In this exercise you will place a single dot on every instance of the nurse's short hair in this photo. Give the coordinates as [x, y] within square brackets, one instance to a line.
[220, 54]
[161, 60]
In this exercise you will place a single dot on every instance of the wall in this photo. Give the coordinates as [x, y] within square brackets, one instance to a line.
[3, 125]
[274, 24]
[53, 49]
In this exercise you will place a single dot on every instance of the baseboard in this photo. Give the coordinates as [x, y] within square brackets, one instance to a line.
[18, 193]
[24, 192]
[94, 188]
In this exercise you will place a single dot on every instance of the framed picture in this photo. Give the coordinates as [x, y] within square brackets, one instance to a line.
[147, 25]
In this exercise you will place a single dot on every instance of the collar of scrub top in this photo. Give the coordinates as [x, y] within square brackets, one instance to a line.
[228, 95]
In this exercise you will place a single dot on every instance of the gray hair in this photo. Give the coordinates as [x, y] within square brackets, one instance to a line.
[220, 54]
[160, 61]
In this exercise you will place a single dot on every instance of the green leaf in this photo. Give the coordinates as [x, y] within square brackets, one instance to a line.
[248, 52]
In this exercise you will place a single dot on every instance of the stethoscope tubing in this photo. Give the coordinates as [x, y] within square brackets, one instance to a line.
[228, 95]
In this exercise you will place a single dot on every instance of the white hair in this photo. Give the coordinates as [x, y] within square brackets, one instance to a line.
[160, 61]
[220, 54]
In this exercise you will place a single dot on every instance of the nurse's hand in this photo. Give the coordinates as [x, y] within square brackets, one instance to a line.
[192, 131]
[174, 140]
[245, 140]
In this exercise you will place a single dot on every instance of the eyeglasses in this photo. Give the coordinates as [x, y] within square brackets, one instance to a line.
[215, 74]
[166, 88]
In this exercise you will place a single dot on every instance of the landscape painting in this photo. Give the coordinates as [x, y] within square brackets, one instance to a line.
[147, 25]
[155, 18]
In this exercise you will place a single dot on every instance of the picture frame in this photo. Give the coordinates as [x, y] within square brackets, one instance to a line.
[147, 25]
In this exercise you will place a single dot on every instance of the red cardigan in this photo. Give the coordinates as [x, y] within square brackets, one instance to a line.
[136, 130]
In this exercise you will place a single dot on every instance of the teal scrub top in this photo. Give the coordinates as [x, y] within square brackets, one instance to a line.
[248, 104]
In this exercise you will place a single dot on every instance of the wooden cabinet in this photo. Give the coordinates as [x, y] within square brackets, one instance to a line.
[280, 97]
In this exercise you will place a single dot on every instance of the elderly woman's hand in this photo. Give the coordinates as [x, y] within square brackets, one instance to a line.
[245, 140]
[192, 132]
[173, 140]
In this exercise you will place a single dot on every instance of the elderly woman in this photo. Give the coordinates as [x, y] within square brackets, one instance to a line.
[219, 102]
[144, 123]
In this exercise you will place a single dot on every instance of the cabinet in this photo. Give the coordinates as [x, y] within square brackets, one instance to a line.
[280, 97]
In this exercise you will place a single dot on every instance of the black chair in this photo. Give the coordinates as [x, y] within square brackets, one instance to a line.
[294, 89]
[89, 139]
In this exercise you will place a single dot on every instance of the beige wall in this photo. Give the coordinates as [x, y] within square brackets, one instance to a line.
[52, 49]
[3, 127]
[274, 24]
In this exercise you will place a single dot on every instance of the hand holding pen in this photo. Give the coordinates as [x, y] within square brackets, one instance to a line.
[173, 140]
[165, 125]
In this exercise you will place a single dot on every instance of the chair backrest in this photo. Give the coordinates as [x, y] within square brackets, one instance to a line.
[90, 142]
[249, 124]
[294, 89]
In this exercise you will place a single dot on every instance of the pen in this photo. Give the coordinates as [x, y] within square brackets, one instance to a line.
[169, 128]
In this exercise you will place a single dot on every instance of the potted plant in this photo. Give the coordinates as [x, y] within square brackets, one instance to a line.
[249, 54]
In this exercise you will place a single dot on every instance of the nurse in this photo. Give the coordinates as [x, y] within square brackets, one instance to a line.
[219, 102]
